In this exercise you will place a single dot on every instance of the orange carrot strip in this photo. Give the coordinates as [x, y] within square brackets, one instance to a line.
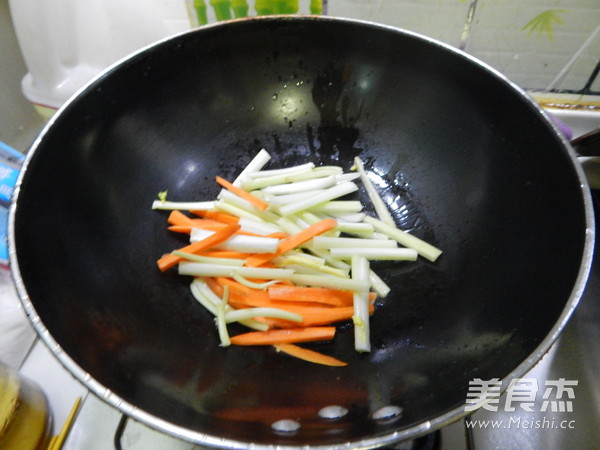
[312, 317]
[309, 355]
[169, 260]
[278, 235]
[335, 297]
[243, 194]
[217, 215]
[286, 336]
[180, 229]
[178, 218]
[293, 241]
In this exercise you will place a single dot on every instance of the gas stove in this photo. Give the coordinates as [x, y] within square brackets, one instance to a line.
[555, 406]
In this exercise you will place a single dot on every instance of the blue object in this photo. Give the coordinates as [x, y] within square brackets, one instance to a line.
[10, 164]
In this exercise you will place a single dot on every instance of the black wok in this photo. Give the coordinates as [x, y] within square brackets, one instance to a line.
[463, 158]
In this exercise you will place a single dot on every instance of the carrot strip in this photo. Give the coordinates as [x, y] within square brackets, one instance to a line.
[326, 316]
[335, 297]
[293, 241]
[303, 294]
[169, 260]
[312, 317]
[217, 215]
[176, 217]
[180, 229]
[243, 194]
[309, 355]
[278, 235]
[287, 336]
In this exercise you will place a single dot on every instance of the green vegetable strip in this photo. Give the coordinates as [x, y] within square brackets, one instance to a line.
[230, 198]
[380, 207]
[221, 323]
[329, 281]
[424, 249]
[208, 259]
[185, 206]
[341, 242]
[300, 186]
[251, 284]
[306, 260]
[234, 210]
[336, 191]
[280, 200]
[250, 313]
[250, 184]
[256, 227]
[378, 285]
[339, 206]
[257, 163]
[207, 298]
[360, 272]
[239, 242]
[363, 230]
[380, 254]
[307, 167]
[216, 270]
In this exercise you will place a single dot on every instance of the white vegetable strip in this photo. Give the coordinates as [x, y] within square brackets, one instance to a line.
[360, 272]
[303, 259]
[424, 249]
[239, 242]
[201, 296]
[336, 191]
[380, 207]
[283, 171]
[388, 254]
[257, 163]
[352, 218]
[341, 242]
[251, 284]
[317, 172]
[250, 184]
[378, 285]
[228, 197]
[207, 298]
[209, 259]
[288, 225]
[346, 177]
[221, 324]
[184, 206]
[256, 227]
[217, 270]
[355, 228]
[249, 313]
[329, 281]
[236, 210]
[300, 186]
[338, 206]
[284, 199]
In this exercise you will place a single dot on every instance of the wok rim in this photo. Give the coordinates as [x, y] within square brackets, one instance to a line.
[412, 432]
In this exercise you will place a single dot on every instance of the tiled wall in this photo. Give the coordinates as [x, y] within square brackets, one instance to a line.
[539, 44]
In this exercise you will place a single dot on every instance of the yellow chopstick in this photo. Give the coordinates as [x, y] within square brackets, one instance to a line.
[56, 442]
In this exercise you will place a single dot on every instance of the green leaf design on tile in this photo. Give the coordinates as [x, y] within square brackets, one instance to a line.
[545, 22]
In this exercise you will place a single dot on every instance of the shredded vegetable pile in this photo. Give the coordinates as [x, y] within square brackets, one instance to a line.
[285, 253]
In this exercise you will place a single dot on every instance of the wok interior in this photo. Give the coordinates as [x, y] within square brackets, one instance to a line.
[460, 157]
